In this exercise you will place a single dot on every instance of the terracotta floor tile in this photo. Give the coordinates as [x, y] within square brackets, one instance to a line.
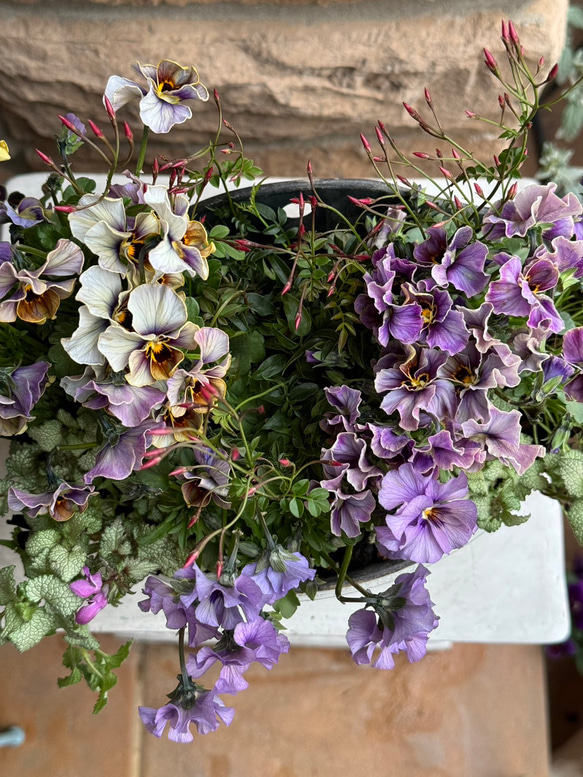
[473, 711]
[63, 738]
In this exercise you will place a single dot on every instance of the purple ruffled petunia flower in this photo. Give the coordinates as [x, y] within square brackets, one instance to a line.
[462, 264]
[346, 403]
[413, 386]
[225, 602]
[92, 589]
[348, 511]
[255, 642]
[534, 205]
[60, 503]
[20, 390]
[443, 327]
[201, 707]
[351, 451]
[279, 571]
[501, 437]
[400, 623]
[120, 457]
[431, 518]
[520, 292]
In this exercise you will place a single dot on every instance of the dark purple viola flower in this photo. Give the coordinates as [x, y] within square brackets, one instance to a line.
[60, 503]
[462, 264]
[562, 649]
[92, 589]
[350, 449]
[20, 390]
[349, 511]
[414, 387]
[573, 346]
[557, 370]
[222, 603]
[203, 708]
[279, 571]
[255, 642]
[432, 518]
[346, 402]
[576, 603]
[118, 459]
[501, 437]
[401, 622]
[532, 206]
[431, 251]
[473, 374]
[520, 293]
[565, 255]
[443, 327]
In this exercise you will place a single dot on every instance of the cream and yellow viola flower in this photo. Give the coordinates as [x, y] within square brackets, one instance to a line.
[160, 335]
[184, 247]
[117, 240]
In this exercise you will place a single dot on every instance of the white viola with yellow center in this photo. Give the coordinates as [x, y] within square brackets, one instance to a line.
[162, 105]
[160, 335]
[118, 241]
[184, 246]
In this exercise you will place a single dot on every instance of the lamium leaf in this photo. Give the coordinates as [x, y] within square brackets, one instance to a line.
[54, 592]
[7, 586]
[67, 564]
[575, 517]
[571, 471]
[30, 633]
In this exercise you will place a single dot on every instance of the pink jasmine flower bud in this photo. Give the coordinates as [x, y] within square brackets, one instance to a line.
[46, 159]
[109, 107]
[471, 115]
[380, 136]
[491, 63]
[479, 190]
[505, 37]
[65, 208]
[285, 462]
[513, 34]
[428, 99]
[69, 125]
[553, 72]
[446, 172]
[96, 131]
[365, 143]
[128, 132]
[404, 181]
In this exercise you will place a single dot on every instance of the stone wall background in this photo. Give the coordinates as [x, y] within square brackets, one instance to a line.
[298, 79]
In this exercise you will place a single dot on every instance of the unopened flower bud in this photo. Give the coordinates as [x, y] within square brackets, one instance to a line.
[109, 107]
[286, 288]
[69, 125]
[422, 155]
[445, 172]
[491, 63]
[285, 462]
[471, 115]
[46, 159]
[380, 136]
[553, 72]
[95, 129]
[513, 34]
[128, 132]
[428, 99]
[479, 190]
[65, 208]
[365, 143]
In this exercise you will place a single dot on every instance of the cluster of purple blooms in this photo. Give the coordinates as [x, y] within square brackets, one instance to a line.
[230, 611]
[457, 321]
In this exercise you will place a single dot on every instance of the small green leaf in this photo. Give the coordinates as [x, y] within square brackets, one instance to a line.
[7, 585]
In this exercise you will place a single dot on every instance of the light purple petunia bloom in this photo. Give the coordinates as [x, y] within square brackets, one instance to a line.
[278, 571]
[120, 457]
[255, 642]
[170, 87]
[501, 438]
[221, 604]
[565, 255]
[431, 518]
[60, 503]
[20, 390]
[92, 589]
[462, 264]
[520, 293]
[26, 213]
[443, 452]
[386, 443]
[534, 205]
[413, 387]
[207, 479]
[161, 596]
[201, 707]
[399, 624]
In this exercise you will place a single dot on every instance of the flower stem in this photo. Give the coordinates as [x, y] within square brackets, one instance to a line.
[142, 152]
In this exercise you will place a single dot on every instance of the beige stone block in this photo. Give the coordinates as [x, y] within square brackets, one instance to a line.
[296, 83]
[474, 711]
